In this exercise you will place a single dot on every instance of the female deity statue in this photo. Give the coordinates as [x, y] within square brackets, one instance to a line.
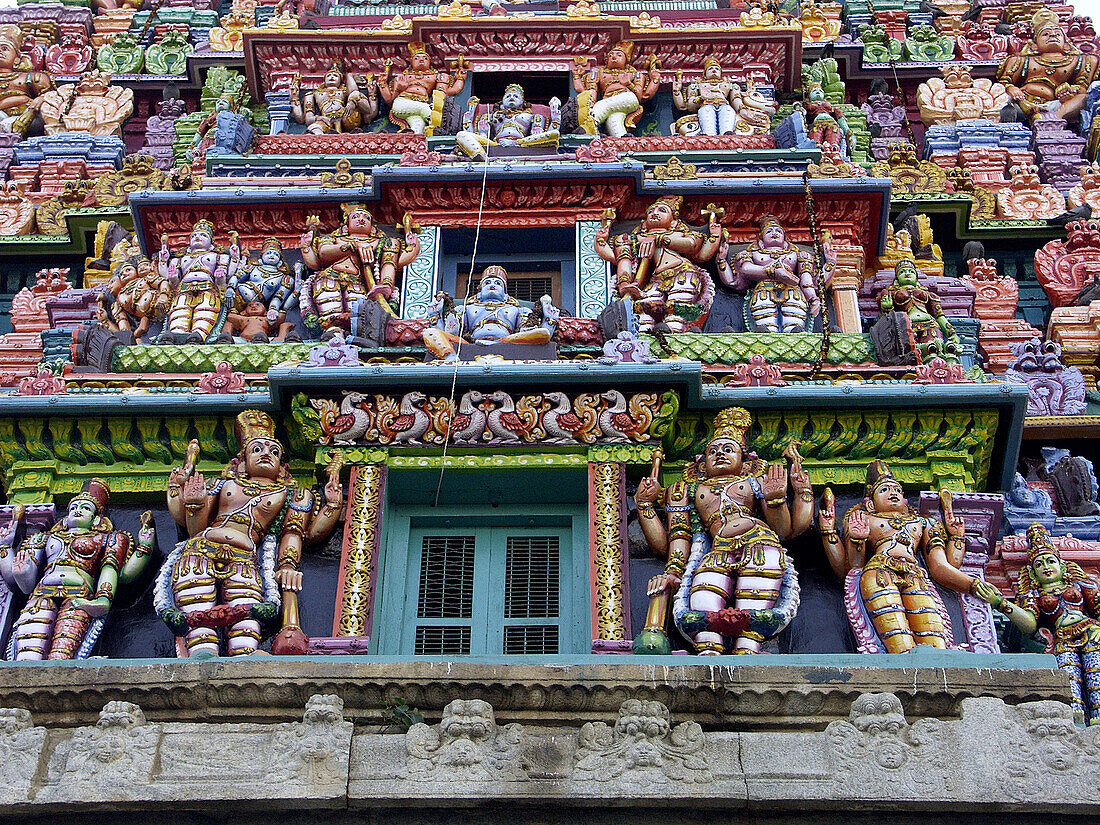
[727, 518]
[657, 265]
[1061, 597]
[879, 556]
[247, 529]
[18, 86]
[932, 332]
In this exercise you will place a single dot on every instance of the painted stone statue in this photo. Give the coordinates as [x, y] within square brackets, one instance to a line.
[91, 105]
[226, 126]
[337, 105]
[734, 585]
[259, 296]
[199, 274]
[416, 95]
[356, 262]
[932, 332]
[657, 265]
[514, 122]
[891, 603]
[136, 295]
[71, 573]
[1061, 597]
[826, 124]
[782, 279]
[611, 97]
[1050, 75]
[240, 564]
[493, 317]
[18, 86]
[712, 98]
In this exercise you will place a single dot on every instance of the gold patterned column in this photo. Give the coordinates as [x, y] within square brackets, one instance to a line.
[359, 557]
[607, 553]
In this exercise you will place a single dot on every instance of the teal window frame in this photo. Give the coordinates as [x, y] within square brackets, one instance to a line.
[399, 579]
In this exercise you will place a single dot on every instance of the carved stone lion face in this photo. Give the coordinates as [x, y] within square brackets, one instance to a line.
[466, 726]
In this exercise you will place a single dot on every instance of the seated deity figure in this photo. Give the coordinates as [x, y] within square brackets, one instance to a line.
[415, 96]
[932, 332]
[246, 529]
[136, 295]
[199, 274]
[878, 559]
[224, 120]
[1061, 597]
[657, 266]
[18, 85]
[493, 317]
[712, 98]
[269, 283]
[782, 279]
[1050, 75]
[826, 124]
[71, 573]
[337, 105]
[735, 587]
[512, 123]
[356, 262]
[612, 96]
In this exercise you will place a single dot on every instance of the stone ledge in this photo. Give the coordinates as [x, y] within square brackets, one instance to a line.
[768, 692]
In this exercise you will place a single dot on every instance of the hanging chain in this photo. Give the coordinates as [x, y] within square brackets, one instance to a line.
[824, 290]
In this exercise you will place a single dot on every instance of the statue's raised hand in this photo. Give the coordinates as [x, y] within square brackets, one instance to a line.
[775, 482]
[549, 311]
[826, 516]
[859, 527]
[646, 245]
[194, 491]
[648, 492]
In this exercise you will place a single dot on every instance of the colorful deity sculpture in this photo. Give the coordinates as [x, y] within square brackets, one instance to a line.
[18, 86]
[1049, 74]
[612, 96]
[714, 99]
[493, 317]
[514, 122]
[136, 295]
[891, 601]
[1061, 597]
[246, 528]
[416, 95]
[782, 278]
[826, 124]
[71, 573]
[91, 105]
[260, 295]
[337, 105]
[727, 519]
[356, 262]
[199, 274]
[227, 124]
[657, 265]
[932, 332]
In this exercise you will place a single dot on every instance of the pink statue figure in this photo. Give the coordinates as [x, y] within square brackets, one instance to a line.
[19, 87]
[416, 95]
[782, 278]
[727, 517]
[247, 528]
[83, 560]
[337, 105]
[199, 274]
[356, 262]
[657, 265]
[612, 96]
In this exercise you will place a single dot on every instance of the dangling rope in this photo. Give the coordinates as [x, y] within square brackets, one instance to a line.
[824, 290]
[452, 405]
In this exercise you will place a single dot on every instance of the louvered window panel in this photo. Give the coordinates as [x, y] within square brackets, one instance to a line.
[446, 579]
[532, 577]
[442, 641]
[530, 289]
[534, 640]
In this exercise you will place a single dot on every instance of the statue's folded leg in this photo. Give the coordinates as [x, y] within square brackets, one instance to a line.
[528, 336]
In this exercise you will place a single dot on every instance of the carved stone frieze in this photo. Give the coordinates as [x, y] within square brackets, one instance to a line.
[21, 746]
[467, 745]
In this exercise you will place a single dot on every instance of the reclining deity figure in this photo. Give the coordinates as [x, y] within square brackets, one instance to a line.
[512, 123]
[416, 95]
[269, 283]
[493, 317]
[878, 558]
[782, 279]
[82, 560]
[356, 262]
[657, 265]
[712, 98]
[199, 274]
[337, 105]
[612, 96]
[727, 518]
[1049, 74]
[246, 529]
[18, 85]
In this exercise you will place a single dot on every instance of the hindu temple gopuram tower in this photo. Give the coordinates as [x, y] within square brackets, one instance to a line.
[549, 411]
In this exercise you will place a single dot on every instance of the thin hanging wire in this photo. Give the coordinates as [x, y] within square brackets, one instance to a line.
[453, 407]
[824, 290]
